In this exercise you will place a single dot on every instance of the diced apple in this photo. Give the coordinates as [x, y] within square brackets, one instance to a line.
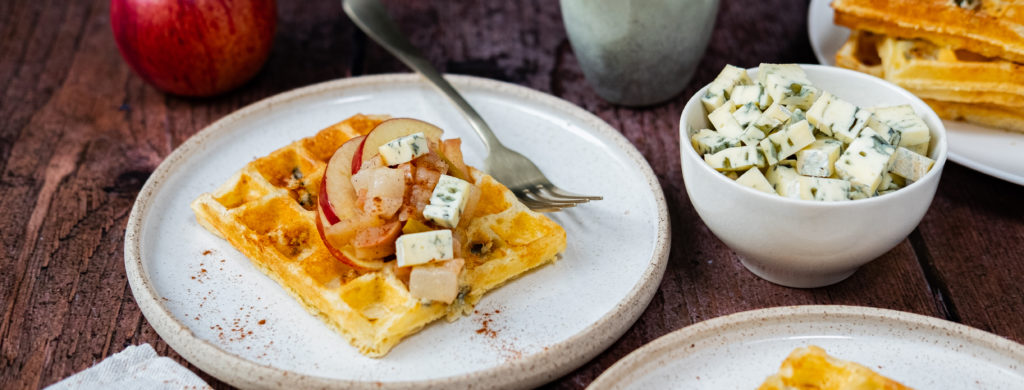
[436, 281]
[377, 242]
[337, 182]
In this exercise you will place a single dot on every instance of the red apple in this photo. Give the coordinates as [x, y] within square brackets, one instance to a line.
[194, 47]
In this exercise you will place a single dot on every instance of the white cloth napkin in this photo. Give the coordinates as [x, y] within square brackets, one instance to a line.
[136, 367]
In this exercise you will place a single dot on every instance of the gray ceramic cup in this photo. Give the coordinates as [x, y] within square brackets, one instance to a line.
[638, 52]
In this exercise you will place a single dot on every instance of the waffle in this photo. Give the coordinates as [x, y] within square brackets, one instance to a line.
[810, 368]
[957, 84]
[992, 29]
[267, 211]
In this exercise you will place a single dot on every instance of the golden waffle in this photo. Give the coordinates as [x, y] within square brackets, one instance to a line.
[810, 368]
[958, 84]
[267, 211]
[993, 29]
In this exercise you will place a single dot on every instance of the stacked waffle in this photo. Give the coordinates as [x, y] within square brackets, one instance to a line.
[268, 212]
[965, 58]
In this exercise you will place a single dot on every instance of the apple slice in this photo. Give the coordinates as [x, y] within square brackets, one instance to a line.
[390, 129]
[338, 198]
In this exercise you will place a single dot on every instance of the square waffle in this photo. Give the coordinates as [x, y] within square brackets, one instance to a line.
[957, 84]
[268, 212]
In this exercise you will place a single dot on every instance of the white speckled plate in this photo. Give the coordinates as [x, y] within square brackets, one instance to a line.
[739, 351]
[223, 315]
[994, 152]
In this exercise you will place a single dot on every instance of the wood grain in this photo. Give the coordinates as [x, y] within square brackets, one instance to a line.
[80, 134]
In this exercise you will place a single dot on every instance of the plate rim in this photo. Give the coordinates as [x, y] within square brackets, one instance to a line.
[641, 357]
[959, 158]
[541, 367]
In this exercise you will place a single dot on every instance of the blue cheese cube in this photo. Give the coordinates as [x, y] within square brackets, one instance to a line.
[784, 180]
[890, 134]
[787, 84]
[747, 94]
[816, 114]
[448, 201]
[746, 114]
[773, 119]
[783, 144]
[751, 135]
[724, 122]
[421, 248]
[913, 130]
[719, 90]
[822, 189]
[909, 165]
[753, 178]
[921, 149]
[403, 149]
[709, 141]
[844, 120]
[818, 159]
[739, 158]
[863, 163]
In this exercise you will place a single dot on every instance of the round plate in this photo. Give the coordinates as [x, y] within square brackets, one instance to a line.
[223, 315]
[740, 350]
[994, 152]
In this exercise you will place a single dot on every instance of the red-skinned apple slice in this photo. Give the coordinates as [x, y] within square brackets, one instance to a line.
[336, 191]
[390, 129]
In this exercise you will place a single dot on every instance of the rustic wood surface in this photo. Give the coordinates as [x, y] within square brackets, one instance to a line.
[80, 134]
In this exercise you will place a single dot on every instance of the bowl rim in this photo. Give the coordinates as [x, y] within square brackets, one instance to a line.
[940, 149]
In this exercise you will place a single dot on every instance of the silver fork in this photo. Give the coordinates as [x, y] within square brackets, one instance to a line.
[509, 167]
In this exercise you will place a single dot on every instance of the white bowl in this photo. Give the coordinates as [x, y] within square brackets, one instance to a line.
[802, 243]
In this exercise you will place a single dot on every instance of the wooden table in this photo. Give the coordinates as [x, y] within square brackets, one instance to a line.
[80, 133]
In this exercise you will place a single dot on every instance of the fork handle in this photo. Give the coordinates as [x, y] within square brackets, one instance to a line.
[371, 17]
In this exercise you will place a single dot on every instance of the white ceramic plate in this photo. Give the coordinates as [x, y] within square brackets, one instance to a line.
[539, 326]
[739, 351]
[990, 151]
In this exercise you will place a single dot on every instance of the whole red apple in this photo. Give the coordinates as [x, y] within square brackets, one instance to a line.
[194, 47]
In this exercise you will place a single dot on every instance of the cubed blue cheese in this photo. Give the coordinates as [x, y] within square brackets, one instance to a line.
[448, 201]
[751, 135]
[913, 130]
[753, 178]
[709, 141]
[403, 149]
[784, 180]
[890, 134]
[724, 122]
[773, 118]
[746, 114]
[747, 94]
[783, 144]
[787, 84]
[822, 189]
[739, 158]
[844, 120]
[816, 114]
[909, 165]
[863, 163]
[921, 149]
[818, 159]
[719, 90]
[421, 248]
[890, 182]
